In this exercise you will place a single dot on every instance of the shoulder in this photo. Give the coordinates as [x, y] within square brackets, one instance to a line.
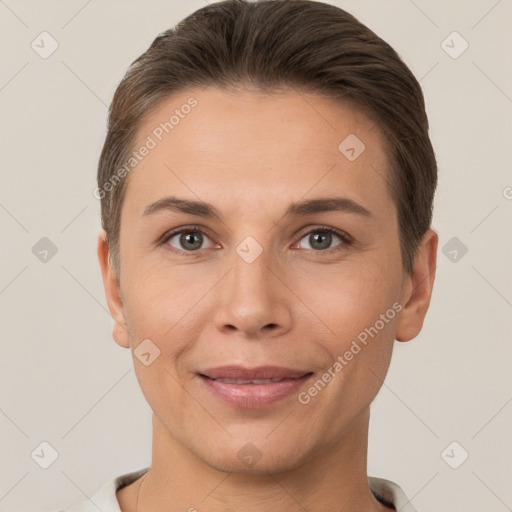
[105, 498]
[390, 493]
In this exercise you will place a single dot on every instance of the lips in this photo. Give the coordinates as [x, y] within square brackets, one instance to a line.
[258, 375]
[253, 388]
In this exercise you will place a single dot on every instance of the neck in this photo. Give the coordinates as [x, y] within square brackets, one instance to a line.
[334, 479]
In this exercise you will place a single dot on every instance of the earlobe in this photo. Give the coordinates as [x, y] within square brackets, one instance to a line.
[418, 289]
[112, 292]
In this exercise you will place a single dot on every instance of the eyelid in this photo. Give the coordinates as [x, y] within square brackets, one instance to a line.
[347, 240]
[320, 227]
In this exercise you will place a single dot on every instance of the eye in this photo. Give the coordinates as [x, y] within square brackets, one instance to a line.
[186, 240]
[191, 239]
[320, 239]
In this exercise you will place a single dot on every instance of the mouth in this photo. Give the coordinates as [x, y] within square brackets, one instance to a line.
[249, 381]
[253, 388]
[264, 373]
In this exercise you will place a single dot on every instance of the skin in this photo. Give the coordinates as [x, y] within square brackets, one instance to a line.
[251, 155]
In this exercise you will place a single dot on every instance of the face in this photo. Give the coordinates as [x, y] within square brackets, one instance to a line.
[267, 273]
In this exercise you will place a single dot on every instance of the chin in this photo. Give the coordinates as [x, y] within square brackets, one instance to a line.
[247, 458]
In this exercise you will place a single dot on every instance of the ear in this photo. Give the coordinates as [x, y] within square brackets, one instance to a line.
[417, 289]
[112, 292]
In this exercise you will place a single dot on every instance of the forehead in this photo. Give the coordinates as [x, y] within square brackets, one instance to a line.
[231, 146]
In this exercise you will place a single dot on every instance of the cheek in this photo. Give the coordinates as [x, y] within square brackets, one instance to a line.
[160, 303]
[168, 311]
[163, 321]
[362, 320]
[353, 297]
[360, 308]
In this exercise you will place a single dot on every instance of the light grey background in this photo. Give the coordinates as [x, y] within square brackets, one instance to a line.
[66, 382]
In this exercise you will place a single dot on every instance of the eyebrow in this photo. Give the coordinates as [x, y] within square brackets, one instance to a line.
[299, 209]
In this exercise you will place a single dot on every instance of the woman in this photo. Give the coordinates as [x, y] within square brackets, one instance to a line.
[266, 189]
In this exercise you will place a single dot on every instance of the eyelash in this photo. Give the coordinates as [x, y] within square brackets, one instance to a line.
[347, 240]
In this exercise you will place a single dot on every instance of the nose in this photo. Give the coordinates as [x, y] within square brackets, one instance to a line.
[254, 300]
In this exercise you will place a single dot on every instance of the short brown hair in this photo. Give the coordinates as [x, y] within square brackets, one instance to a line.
[270, 45]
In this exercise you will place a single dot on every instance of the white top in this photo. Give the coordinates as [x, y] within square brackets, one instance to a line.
[385, 491]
